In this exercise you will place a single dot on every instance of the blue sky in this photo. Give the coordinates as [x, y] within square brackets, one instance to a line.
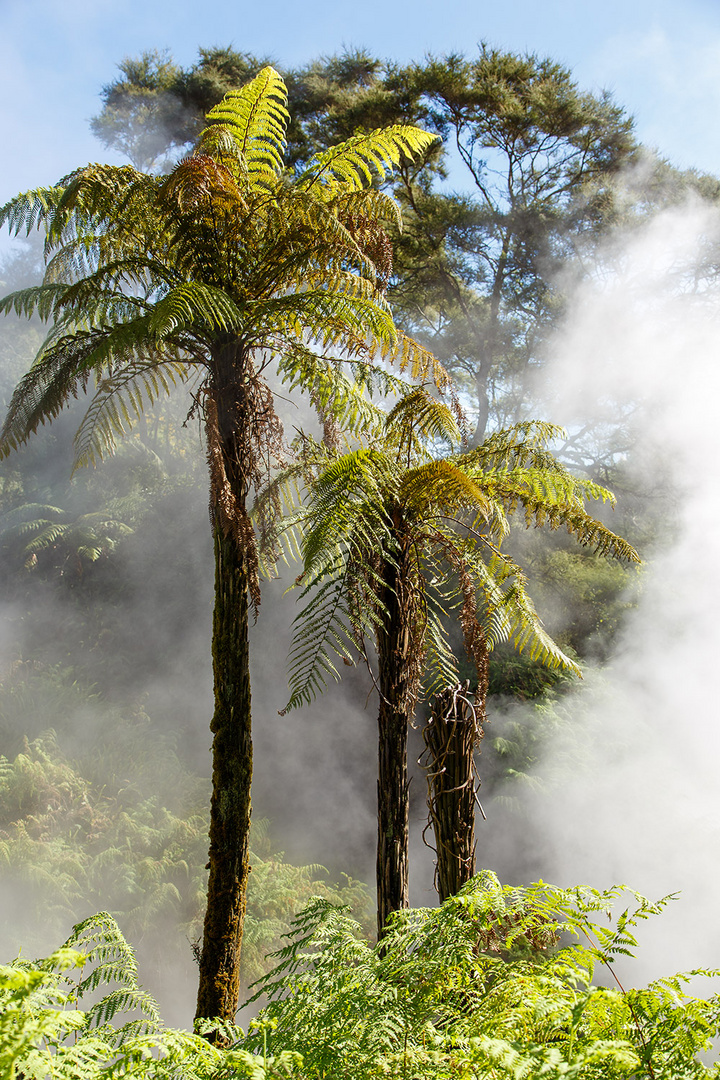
[660, 59]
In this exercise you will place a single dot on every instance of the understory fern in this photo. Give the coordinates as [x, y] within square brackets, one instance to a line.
[496, 984]
[482, 988]
[48, 1030]
[76, 835]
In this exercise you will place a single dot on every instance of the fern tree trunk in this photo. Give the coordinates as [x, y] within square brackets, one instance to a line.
[219, 987]
[232, 754]
[397, 677]
[451, 735]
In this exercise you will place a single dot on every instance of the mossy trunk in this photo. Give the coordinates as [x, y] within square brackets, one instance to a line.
[228, 420]
[219, 988]
[451, 735]
[397, 679]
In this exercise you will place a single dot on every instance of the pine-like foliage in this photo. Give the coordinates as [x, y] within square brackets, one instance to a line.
[443, 514]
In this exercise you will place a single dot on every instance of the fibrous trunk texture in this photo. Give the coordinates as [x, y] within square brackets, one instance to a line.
[398, 692]
[228, 420]
[451, 736]
[219, 987]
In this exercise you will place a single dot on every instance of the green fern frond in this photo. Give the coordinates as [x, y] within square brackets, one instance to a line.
[329, 318]
[591, 533]
[418, 419]
[331, 390]
[441, 666]
[58, 373]
[368, 203]
[364, 159]
[41, 299]
[440, 487]
[257, 116]
[422, 365]
[193, 305]
[326, 628]
[509, 614]
[348, 507]
[30, 209]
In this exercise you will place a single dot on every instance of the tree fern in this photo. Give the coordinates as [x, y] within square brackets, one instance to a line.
[256, 117]
[459, 507]
[216, 270]
[382, 530]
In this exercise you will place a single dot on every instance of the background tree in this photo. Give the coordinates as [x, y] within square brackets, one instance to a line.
[531, 159]
[205, 276]
[391, 535]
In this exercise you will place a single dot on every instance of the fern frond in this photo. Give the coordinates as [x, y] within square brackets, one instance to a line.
[419, 419]
[257, 117]
[30, 209]
[329, 318]
[322, 626]
[41, 299]
[592, 533]
[441, 667]
[364, 159]
[348, 507]
[59, 372]
[409, 356]
[368, 203]
[510, 615]
[331, 390]
[195, 306]
[440, 487]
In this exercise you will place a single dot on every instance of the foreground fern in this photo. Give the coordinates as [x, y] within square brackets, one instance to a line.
[490, 986]
[46, 1029]
[480, 989]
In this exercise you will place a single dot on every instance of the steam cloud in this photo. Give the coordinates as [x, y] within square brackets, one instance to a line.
[641, 802]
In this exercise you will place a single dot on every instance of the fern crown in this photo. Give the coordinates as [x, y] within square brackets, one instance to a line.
[415, 491]
[149, 278]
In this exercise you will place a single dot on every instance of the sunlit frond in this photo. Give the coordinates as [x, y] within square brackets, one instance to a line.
[331, 390]
[347, 508]
[440, 487]
[30, 209]
[419, 420]
[193, 306]
[257, 117]
[509, 614]
[366, 158]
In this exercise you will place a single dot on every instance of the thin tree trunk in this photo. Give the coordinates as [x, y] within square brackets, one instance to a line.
[398, 694]
[451, 735]
[219, 988]
[393, 833]
[228, 415]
